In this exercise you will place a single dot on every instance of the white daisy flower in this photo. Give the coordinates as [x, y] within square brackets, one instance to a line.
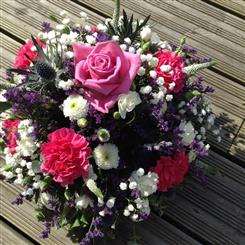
[75, 107]
[106, 156]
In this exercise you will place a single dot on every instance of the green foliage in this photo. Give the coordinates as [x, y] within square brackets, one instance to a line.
[45, 182]
[4, 106]
[127, 29]
[39, 49]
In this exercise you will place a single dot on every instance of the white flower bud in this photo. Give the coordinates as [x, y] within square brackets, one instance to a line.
[169, 97]
[146, 33]
[111, 202]
[141, 71]
[126, 212]
[123, 47]
[146, 90]
[130, 207]
[123, 186]
[132, 185]
[153, 74]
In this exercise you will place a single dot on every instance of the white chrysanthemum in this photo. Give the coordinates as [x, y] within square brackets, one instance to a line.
[75, 107]
[65, 85]
[146, 184]
[188, 134]
[106, 156]
[127, 102]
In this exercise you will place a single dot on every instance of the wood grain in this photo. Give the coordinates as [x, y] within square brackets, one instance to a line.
[9, 236]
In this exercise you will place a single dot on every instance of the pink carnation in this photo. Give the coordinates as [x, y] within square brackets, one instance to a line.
[105, 72]
[171, 170]
[174, 73]
[65, 156]
[11, 126]
[21, 61]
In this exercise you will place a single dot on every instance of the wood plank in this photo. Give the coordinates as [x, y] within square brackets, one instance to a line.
[23, 217]
[172, 27]
[238, 146]
[9, 236]
[236, 6]
[216, 213]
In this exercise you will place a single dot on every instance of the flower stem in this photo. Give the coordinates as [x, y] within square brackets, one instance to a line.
[116, 13]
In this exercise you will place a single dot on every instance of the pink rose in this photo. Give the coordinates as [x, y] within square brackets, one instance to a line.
[170, 67]
[65, 156]
[105, 72]
[171, 170]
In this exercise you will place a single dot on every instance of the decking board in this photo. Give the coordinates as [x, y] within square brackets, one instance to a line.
[236, 6]
[9, 236]
[238, 146]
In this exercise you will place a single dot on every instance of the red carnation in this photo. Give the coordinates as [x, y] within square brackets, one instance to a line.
[171, 171]
[65, 156]
[170, 67]
[21, 61]
[11, 126]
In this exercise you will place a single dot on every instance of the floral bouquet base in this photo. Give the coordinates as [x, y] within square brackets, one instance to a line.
[100, 123]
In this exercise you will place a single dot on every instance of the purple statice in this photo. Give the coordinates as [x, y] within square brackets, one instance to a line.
[102, 37]
[157, 113]
[70, 67]
[18, 200]
[97, 221]
[188, 49]
[198, 85]
[95, 114]
[46, 26]
[44, 234]
[199, 149]
[135, 193]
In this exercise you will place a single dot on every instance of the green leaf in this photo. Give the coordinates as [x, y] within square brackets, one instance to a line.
[53, 18]
[76, 223]
[83, 221]
[67, 194]
[36, 167]
[6, 167]
[19, 71]
[45, 182]
[39, 48]
[4, 106]
[93, 188]
[26, 180]
[191, 94]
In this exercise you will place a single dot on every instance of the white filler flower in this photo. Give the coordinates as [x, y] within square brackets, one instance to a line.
[75, 107]
[188, 134]
[106, 156]
[127, 102]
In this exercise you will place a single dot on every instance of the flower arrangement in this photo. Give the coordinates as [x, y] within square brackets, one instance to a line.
[102, 122]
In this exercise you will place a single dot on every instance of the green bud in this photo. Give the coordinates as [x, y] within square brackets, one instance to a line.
[82, 122]
[146, 46]
[182, 40]
[116, 115]
[103, 135]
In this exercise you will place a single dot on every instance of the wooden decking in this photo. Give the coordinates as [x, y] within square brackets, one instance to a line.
[211, 215]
